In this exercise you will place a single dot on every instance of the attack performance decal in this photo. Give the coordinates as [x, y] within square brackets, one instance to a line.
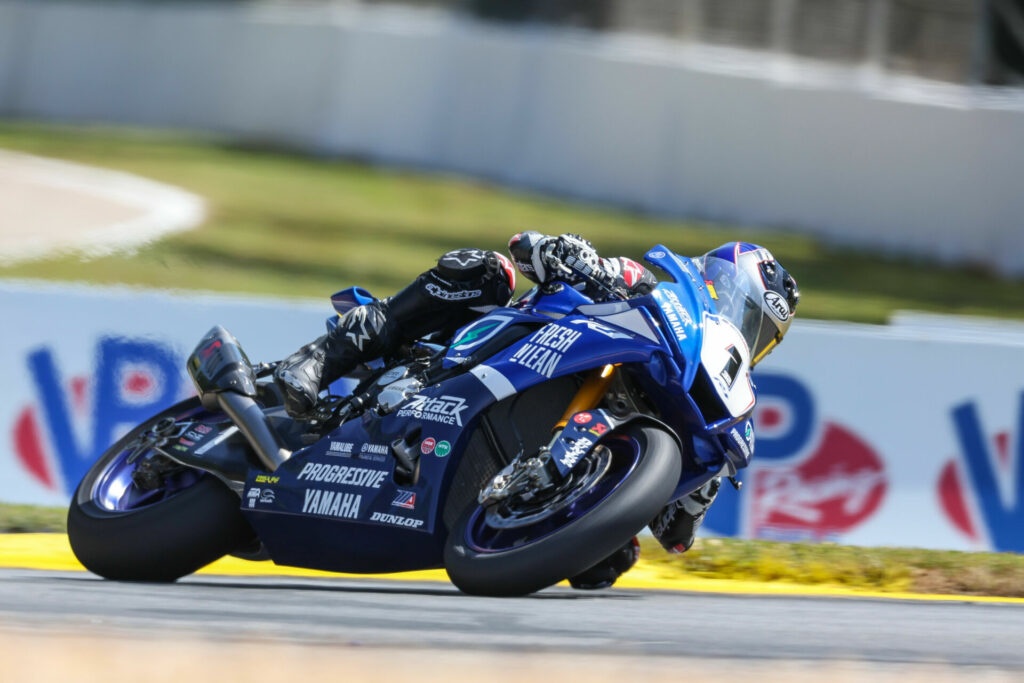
[543, 352]
[332, 503]
[444, 409]
[340, 474]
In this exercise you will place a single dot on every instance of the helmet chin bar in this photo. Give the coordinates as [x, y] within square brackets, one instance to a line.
[765, 351]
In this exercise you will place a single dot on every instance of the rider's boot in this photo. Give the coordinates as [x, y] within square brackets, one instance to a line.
[607, 571]
[676, 525]
[361, 334]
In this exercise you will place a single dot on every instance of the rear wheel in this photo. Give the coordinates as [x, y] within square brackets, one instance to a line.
[122, 531]
[528, 545]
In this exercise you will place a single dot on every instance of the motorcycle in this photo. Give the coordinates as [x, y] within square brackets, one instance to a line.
[526, 449]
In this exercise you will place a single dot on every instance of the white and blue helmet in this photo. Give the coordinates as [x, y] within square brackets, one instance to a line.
[753, 291]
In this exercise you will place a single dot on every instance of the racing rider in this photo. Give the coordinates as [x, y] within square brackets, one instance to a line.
[467, 283]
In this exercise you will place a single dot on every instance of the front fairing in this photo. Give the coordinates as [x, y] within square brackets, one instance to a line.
[703, 344]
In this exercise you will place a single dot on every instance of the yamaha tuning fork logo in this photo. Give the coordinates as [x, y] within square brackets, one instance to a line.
[73, 419]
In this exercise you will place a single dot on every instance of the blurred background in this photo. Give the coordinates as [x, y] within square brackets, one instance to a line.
[277, 151]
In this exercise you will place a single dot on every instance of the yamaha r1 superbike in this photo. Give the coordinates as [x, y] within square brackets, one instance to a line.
[533, 445]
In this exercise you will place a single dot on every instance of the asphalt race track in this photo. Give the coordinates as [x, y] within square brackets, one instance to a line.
[957, 636]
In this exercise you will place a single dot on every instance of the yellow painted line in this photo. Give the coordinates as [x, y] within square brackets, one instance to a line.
[52, 552]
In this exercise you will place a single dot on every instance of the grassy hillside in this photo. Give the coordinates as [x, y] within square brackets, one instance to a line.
[288, 224]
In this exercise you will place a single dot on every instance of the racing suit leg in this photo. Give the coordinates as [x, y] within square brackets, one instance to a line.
[465, 284]
[676, 525]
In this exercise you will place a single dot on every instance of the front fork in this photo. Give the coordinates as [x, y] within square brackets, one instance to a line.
[538, 472]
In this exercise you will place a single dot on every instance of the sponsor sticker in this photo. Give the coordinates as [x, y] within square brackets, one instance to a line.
[267, 479]
[259, 495]
[447, 295]
[396, 520]
[582, 418]
[332, 503]
[342, 474]
[598, 429]
[543, 351]
[478, 333]
[676, 314]
[203, 429]
[579, 447]
[777, 305]
[442, 449]
[405, 499]
[443, 409]
[657, 254]
[186, 442]
[342, 448]
[428, 445]
[194, 435]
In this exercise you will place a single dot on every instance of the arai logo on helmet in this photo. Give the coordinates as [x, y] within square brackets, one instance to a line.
[777, 305]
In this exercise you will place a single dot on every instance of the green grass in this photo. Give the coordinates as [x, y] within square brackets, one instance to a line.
[21, 519]
[881, 569]
[293, 225]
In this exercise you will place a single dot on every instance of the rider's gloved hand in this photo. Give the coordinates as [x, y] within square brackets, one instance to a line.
[607, 571]
[574, 260]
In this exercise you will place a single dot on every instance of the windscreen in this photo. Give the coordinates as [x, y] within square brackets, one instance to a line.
[737, 299]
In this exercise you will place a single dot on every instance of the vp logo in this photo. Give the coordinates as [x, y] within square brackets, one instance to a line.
[61, 435]
[983, 493]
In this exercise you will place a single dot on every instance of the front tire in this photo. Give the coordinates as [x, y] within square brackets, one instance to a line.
[484, 561]
[161, 541]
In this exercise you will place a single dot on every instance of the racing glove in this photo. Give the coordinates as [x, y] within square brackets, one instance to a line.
[574, 260]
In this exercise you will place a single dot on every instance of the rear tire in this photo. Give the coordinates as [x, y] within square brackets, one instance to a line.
[160, 542]
[579, 544]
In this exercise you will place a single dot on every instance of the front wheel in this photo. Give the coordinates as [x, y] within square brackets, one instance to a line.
[536, 545]
[123, 532]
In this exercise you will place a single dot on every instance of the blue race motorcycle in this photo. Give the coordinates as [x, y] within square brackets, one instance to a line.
[528, 448]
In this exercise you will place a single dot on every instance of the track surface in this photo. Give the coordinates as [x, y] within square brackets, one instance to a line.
[432, 615]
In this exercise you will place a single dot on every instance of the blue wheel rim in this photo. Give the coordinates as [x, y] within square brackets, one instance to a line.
[483, 538]
[116, 491]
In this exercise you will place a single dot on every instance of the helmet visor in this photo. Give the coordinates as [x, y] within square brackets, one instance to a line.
[737, 299]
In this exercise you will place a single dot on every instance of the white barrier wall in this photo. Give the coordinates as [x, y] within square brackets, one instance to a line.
[902, 435]
[925, 169]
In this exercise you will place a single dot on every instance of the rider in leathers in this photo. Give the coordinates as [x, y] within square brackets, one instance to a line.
[464, 285]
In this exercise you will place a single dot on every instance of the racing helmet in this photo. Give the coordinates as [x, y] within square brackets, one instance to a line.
[753, 291]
